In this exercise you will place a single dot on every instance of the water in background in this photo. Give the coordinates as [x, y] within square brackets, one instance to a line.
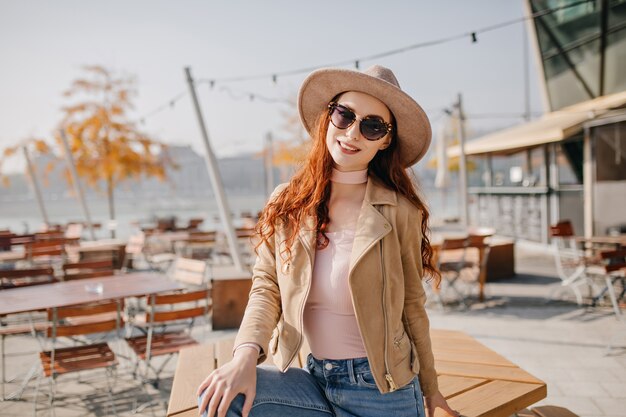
[24, 216]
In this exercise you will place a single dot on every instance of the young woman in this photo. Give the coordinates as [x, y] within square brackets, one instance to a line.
[342, 254]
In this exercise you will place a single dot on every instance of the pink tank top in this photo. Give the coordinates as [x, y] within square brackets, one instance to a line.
[329, 321]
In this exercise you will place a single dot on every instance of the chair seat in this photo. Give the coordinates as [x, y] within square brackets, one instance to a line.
[94, 318]
[455, 266]
[25, 328]
[162, 343]
[78, 358]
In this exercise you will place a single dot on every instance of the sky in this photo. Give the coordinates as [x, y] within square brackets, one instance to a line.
[44, 44]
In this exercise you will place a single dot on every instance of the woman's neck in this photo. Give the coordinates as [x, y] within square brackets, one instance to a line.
[349, 177]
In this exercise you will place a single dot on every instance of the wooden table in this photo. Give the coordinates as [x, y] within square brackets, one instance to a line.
[19, 300]
[500, 262]
[617, 241]
[475, 380]
[230, 289]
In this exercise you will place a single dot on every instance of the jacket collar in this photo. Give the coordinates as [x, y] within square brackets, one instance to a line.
[377, 193]
[371, 224]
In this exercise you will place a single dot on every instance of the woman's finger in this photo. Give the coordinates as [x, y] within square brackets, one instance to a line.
[204, 384]
[227, 398]
[215, 400]
[206, 397]
[247, 405]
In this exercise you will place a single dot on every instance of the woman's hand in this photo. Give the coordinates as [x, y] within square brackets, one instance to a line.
[223, 384]
[438, 400]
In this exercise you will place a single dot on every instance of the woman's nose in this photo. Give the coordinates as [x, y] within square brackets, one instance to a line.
[353, 131]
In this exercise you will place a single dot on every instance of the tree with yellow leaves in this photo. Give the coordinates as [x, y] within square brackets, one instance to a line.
[105, 145]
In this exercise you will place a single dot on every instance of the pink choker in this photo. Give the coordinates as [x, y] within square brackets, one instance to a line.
[350, 177]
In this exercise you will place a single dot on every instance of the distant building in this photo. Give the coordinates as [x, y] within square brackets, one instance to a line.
[242, 174]
[571, 162]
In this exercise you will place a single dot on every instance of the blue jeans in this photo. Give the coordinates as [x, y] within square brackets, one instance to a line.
[325, 388]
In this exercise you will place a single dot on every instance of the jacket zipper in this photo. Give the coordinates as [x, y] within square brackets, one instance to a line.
[306, 295]
[388, 377]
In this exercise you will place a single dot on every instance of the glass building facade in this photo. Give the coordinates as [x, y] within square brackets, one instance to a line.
[582, 48]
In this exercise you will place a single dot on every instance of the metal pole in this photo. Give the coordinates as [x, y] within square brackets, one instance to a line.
[269, 164]
[76, 182]
[531, 31]
[462, 164]
[526, 75]
[216, 180]
[588, 182]
[36, 187]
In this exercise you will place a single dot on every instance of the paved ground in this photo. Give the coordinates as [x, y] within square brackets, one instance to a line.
[556, 341]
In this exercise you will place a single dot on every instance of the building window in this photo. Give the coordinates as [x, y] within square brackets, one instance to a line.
[610, 147]
[569, 160]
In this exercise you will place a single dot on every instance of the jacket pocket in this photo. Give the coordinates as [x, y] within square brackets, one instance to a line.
[401, 348]
[415, 362]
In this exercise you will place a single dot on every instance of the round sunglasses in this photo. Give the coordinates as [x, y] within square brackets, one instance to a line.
[371, 127]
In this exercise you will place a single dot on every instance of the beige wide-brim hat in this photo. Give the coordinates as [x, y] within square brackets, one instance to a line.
[411, 124]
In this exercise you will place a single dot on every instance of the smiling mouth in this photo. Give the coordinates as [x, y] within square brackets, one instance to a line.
[347, 147]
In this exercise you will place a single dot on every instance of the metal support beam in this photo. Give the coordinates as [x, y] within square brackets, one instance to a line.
[216, 180]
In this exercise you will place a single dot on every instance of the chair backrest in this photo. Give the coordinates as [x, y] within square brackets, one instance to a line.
[181, 306]
[52, 247]
[563, 228]
[189, 271]
[74, 231]
[26, 277]
[569, 259]
[88, 269]
[614, 260]
[197, 236]
[193, 223]
[5, 241]
[98, 322]
[135, 244]
[451, 243]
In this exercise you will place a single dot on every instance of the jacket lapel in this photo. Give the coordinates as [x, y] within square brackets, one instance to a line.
[371, 226]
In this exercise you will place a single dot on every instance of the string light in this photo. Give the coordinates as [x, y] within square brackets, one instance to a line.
[356, 62]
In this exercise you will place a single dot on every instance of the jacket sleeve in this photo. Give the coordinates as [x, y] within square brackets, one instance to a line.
[415, 317]
[264, 302]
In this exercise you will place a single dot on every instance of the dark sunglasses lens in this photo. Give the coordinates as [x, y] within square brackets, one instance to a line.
[373, 129]
[341, 117]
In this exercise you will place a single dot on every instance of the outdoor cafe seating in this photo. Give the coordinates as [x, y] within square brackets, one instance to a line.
[462, 262]
[586, 267]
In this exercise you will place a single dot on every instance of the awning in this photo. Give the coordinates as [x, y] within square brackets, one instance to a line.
[551, 127]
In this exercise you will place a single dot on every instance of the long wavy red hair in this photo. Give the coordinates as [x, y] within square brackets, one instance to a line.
[308, 193]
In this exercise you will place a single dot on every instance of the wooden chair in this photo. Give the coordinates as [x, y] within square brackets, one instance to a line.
[31, 323]
[46, 252]
[164, 311]
[88, 269]
[63, 360]
[613, 270]
[194, 223]
[571, 263]
[190, 272]
[199, 245]
[14, 278]
[450, 262]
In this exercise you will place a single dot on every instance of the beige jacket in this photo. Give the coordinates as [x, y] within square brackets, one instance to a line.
[385, 283]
